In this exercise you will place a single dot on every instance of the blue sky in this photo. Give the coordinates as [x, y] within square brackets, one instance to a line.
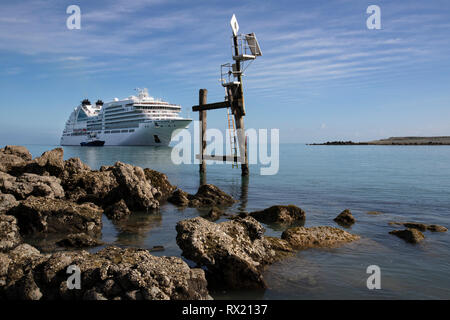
[323, 75]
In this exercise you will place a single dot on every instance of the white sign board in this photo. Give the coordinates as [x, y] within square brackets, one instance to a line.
[234, 25]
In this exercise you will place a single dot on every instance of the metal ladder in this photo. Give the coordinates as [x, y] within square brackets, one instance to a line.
[233, 137]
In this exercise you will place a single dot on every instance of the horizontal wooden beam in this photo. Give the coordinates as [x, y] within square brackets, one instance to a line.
[212, 106]
[219, 158]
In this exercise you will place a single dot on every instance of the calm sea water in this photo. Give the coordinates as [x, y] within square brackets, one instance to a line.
[405, 183]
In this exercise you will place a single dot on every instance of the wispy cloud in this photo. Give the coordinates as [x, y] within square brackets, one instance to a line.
[299, 47]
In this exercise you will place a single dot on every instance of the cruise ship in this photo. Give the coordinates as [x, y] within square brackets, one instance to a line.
[136, 121]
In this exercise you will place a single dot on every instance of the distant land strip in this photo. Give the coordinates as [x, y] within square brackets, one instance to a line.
[393, 141]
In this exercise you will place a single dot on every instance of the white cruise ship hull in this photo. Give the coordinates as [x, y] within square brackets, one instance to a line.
[152, 133]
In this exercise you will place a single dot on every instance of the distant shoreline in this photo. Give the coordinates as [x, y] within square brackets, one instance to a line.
[392, 141]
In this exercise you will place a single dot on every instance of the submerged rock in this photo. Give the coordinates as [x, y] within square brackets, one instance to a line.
[117, 211]
[345, 218]
[214, 214]
[420, 226]
[112, 273]
[316, 237]
[280, 214]
[79, 240]
[156, 249]
[409, 235]
[374, 213]
[9, 233]
[7, 201]
[234, 252]
[436, 228]
[42, 215]
[161, 183]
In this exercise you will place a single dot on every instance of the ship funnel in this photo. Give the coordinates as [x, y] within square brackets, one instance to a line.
[99, 103]
[85, 102]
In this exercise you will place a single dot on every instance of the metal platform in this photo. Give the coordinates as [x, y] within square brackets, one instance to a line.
[219, 158]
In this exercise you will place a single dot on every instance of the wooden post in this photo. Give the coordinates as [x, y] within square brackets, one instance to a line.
[242, 145]
[202, 99]
[244, 194]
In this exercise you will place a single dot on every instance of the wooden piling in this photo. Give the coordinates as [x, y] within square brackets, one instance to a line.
[202, 100]
[242, 145]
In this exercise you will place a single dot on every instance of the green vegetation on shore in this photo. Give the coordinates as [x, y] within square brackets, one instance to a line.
[395, 141]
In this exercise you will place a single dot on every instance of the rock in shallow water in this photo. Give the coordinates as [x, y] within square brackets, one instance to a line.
[345, 218]
[234, 252]
[436, 228]
[117, 211]
[111, 273]
[409, 235]
[420, 226]
[161, 183]
[317, 237]
[41, 215]
[374, 213]
[179, 198]
[134, 188]
[208, 195]
[280, 214]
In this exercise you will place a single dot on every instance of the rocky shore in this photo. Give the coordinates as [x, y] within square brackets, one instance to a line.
[65, 202]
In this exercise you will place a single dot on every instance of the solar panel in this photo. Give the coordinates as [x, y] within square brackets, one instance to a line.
[253, 44]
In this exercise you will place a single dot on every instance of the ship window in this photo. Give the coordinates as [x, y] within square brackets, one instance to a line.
[106, 131]
[82, 115]
[124, 131]
[132, 130]
[115, 131]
